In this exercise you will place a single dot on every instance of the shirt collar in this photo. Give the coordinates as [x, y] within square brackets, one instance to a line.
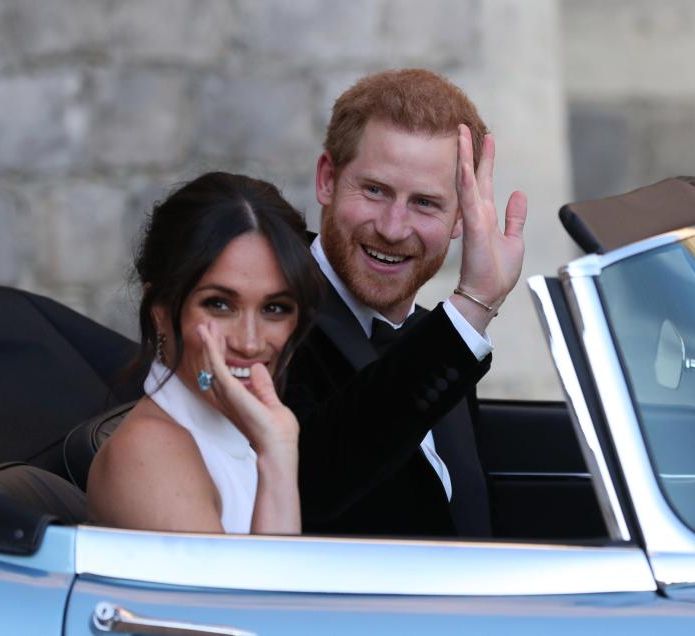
[364, 314]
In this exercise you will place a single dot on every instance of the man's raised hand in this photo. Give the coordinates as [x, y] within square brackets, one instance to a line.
[492, 258]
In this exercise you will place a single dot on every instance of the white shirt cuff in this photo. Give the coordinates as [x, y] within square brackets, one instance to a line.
[479, 345]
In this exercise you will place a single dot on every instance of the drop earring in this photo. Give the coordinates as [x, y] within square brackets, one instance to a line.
[159, 347]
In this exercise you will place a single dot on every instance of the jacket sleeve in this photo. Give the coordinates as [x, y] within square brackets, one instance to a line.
[354, 434]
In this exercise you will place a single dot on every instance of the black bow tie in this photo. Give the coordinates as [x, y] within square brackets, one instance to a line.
[384, 335]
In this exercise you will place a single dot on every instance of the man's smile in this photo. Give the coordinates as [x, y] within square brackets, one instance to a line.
[383, 257]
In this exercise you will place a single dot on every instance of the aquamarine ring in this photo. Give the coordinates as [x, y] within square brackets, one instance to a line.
[204, 379]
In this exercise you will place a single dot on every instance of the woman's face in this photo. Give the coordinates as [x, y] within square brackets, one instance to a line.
[245, 296]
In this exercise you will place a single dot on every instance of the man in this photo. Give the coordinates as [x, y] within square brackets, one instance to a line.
[407, 167]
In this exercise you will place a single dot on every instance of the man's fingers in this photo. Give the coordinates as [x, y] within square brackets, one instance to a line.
[467, 187]
[486, 167]
[515, 215]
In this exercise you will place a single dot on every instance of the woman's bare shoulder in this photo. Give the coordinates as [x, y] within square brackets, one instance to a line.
[145, 427]
[147, 461]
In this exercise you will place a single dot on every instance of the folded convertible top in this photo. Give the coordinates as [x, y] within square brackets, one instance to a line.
[605, 224]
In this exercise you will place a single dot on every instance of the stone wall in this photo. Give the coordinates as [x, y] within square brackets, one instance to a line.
[105, 104]
[631, 92]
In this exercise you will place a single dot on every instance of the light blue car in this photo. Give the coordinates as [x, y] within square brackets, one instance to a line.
[594, 501]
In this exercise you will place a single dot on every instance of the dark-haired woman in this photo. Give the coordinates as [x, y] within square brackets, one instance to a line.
[228, 289]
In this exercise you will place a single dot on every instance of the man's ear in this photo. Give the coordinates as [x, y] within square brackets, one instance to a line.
[457, 230]
[325, 179]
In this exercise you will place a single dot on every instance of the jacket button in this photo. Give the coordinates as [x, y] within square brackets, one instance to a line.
[452, 374]
[441, 384]
[431, 395]
[421, 405]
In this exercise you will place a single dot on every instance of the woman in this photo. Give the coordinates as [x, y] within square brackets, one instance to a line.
[229, 287]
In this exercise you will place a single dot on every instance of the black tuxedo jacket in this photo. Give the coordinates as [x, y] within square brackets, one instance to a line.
[362, 418]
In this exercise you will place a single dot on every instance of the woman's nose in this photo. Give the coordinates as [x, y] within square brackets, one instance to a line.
[247, 337]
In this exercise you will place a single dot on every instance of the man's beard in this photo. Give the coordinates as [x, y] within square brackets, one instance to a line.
[379, 292]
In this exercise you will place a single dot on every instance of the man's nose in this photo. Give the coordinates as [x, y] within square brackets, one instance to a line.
[247, 336]
[393, 223]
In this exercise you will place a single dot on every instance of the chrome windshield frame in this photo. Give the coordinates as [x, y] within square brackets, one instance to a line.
[584, 426]
[669, 543]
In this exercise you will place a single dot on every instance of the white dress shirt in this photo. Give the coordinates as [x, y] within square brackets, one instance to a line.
[479, 345]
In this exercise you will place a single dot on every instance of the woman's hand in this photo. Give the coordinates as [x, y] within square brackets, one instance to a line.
[256, 410]
[272, 431]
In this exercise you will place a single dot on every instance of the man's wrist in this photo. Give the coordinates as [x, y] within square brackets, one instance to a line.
[478, 342]
[490, 309]
[476, 315]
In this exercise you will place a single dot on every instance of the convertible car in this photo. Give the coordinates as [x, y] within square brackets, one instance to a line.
[593, 499]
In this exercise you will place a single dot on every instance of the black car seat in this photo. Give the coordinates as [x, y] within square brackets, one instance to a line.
[57, 368]
[43, 492]
[82, 442]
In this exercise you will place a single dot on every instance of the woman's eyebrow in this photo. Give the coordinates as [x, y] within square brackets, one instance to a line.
[228, 291]
[218, 288]
[284, 293]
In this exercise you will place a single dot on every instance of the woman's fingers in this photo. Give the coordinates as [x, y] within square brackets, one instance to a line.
[224, 384]
[263, 387]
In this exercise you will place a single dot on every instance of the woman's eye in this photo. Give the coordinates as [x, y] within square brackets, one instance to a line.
[279, 309]
[216, 304]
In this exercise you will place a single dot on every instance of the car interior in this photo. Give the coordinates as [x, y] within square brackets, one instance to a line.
[53, 425]
[64, 390]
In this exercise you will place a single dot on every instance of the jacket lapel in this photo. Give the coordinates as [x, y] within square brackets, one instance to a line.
[344, 330]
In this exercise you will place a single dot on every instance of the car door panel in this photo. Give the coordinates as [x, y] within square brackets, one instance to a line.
[34, 588]
[287, 614]
[539, 485]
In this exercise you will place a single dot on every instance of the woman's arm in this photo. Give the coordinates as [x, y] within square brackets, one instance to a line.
[150, 476]
[272, 431]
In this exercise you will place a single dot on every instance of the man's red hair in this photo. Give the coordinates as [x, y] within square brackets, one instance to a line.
[414, 100]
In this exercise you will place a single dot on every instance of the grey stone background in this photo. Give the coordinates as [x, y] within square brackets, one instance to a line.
[105, 104]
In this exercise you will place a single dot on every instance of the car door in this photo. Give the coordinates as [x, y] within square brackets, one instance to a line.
[275, 585]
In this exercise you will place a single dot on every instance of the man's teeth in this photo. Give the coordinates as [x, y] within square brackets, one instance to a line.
[384, 258]
[240, 372]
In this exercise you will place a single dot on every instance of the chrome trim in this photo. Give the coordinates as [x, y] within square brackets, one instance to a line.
[592, 264]
[581, 418]
[109, 618]
[359, 566]
[666, 537]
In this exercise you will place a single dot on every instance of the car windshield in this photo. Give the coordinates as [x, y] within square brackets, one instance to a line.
[650, 304]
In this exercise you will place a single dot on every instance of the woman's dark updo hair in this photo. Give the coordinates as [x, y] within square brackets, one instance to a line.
[189, 230]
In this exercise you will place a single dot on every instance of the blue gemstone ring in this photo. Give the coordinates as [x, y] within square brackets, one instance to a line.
[205, 379]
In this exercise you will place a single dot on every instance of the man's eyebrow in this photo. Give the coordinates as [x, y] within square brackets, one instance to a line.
[430, 195]
[375, 181]
[435, 196]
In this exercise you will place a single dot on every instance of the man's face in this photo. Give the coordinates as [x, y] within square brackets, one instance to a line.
[389, 214]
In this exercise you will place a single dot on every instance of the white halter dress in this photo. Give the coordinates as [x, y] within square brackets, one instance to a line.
[227, 454]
